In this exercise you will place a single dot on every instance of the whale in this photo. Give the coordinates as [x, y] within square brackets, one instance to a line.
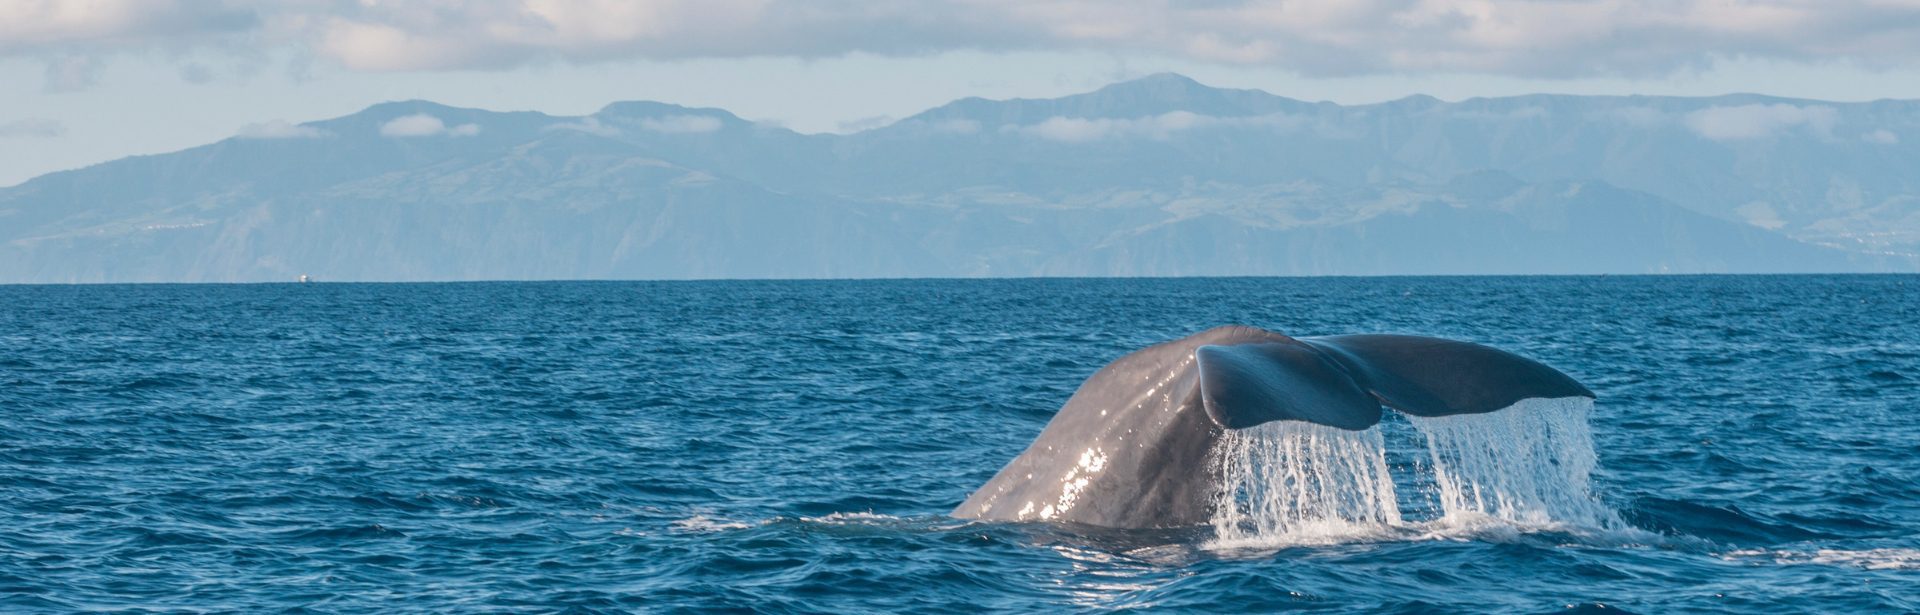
[1131, 447]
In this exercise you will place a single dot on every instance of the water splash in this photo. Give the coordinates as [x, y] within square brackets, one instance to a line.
[1519, 469]
[1293, 482]
[1529, 465]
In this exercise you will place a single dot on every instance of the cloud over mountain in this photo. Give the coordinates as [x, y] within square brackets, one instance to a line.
[423, 125]
[1760, 121]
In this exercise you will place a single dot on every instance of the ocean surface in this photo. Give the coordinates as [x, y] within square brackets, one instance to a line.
[795, 447]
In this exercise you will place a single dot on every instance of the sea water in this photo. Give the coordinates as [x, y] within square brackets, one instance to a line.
[795, 447]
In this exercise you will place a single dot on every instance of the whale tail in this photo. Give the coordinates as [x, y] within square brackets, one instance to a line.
[1342, 381]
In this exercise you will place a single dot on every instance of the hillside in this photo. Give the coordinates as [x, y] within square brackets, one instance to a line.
[1157, 176]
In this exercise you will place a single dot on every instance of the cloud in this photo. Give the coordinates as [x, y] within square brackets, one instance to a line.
[1160, 127]
[1529, 38]
[32, 128]
[1882, 137]
[416, 125]
[279, 129]
[1761, 121]
[73, 36]
[423, 125]
[1074, 129]
[1760, 214]
[681, 124]
[31, 26]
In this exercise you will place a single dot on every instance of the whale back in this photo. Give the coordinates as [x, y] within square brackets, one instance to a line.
[1129, 449]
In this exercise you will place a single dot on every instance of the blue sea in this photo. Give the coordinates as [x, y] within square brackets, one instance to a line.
[794, 446]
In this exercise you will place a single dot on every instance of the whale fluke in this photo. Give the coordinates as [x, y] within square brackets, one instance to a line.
[1342, 380]
[1131, 447]
[1425, 376]
[1249, 384]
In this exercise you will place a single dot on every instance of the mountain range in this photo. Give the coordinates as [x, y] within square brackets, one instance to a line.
[1158, 176]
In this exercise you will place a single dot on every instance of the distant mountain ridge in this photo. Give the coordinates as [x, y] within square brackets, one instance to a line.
[1156, 176]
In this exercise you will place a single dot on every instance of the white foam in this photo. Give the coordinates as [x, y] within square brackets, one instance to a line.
[1289, 482]
[703, 524]
[853, 518]
[1870, 559]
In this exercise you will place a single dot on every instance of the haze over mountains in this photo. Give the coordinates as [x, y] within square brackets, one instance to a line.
[1156, 176]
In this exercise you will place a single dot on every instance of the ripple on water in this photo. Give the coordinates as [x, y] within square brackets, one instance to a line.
[794, 447]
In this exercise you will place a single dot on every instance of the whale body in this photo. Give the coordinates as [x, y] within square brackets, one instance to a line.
[1131, 448]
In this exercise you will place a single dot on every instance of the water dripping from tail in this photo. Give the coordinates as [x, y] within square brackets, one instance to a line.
[1528, 465]
[1290, 482]
[1524, 468]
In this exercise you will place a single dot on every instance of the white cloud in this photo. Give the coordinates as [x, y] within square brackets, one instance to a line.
[1761, 121]
[423, 125]
[1074, 129]
[1760, 214]
[32, 128]
[84, 28]
[1531, 38]
[72, 35]
[279, 129]
[416, 125]
[1882, 137]
[1161, 127]
[681, 124]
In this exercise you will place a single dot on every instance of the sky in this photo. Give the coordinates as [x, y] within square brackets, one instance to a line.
[86, 81]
